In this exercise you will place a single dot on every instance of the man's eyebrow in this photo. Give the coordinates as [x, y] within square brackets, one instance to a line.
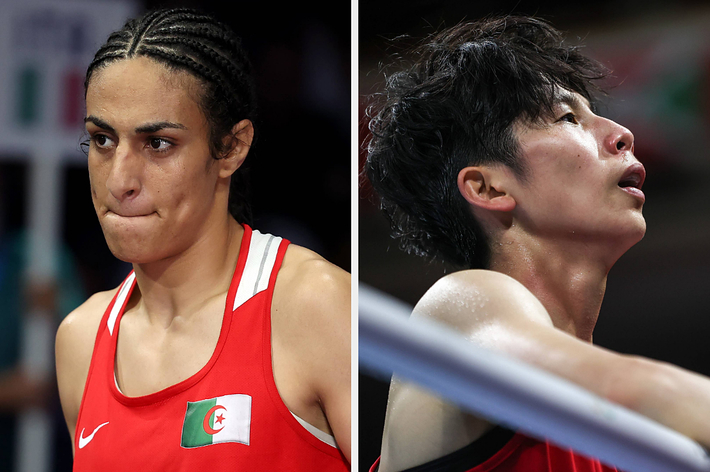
[154, 127]
[99, 122]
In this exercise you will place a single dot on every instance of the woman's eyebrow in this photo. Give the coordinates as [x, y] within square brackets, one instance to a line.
[99, 122]
[154, 127]
[143, 129]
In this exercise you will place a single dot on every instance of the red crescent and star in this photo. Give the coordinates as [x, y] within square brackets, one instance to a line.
[206, 422]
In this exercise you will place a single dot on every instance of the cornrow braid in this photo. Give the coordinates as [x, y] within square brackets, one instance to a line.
[217, 58]
[205, 34]
[188, 40]
[188, 17]
[150, 19]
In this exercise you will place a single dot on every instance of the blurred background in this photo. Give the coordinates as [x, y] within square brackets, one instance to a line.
[659, 53]
[52, 252]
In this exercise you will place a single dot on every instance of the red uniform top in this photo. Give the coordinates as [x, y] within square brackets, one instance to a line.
[228, 416]
[519, 454]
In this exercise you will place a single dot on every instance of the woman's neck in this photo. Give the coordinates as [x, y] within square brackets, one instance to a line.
[178, 285]
[568, 277]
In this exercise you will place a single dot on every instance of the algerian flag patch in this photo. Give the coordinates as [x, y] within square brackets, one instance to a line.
[217, 420]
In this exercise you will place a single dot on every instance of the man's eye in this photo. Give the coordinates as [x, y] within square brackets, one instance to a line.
[159, 144]
[570, 117]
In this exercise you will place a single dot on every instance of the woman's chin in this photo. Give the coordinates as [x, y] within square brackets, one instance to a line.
[134, 252]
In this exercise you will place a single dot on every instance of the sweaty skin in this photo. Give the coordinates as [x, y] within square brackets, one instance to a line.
[554, 237]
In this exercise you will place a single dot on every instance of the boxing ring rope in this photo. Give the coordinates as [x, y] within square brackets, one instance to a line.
[515, 394]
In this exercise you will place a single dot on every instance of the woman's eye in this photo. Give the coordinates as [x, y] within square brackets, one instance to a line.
[159, 144]
[102, 141]
[570, 117]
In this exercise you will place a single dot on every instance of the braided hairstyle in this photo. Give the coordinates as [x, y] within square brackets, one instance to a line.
[453, 104]
[187, 40]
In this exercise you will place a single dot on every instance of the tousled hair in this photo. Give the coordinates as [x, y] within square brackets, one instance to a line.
[184, 39]
[453, 104]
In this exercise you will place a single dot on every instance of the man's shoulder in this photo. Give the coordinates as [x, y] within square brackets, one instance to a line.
[473, 298]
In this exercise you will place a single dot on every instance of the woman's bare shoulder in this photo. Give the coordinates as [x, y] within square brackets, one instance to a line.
[84, 320]
[472, 298]
[73, 350]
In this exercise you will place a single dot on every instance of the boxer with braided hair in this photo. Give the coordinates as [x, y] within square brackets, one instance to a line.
[233, 351]
[188, 40]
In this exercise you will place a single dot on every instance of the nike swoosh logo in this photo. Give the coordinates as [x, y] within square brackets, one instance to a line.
[83, 441]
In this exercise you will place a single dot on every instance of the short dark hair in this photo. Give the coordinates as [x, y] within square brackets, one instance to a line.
[454, 105]
[189, 40]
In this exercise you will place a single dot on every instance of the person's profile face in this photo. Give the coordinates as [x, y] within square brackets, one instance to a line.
[583, 179]
[152, 176]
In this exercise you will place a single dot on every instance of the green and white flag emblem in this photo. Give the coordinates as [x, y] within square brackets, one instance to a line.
[217, 420]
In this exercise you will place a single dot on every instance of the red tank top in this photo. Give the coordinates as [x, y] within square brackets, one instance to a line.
[228, 416]
[525, 454]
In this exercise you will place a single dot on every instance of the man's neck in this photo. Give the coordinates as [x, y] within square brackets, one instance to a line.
[568, 277]
[179, 285]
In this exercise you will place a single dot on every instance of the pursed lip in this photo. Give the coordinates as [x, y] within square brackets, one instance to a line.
[129, 214]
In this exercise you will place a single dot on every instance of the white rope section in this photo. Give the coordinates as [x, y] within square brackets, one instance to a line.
[515, 394]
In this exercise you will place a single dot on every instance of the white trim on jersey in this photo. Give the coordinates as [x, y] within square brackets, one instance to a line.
[120, 300]
[259, 265]
[322, 435]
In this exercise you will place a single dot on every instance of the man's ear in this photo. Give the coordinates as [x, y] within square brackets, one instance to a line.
[485, 187]
[239, 142]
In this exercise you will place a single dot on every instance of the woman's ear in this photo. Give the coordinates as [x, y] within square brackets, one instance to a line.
[485, 187]
[240, 140]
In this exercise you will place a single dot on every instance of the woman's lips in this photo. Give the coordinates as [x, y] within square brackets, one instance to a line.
[129, 214]
[636, 192]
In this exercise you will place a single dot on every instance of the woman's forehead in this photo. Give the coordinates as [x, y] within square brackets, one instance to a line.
[573, 99]
[145, 90]
[143, 70]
